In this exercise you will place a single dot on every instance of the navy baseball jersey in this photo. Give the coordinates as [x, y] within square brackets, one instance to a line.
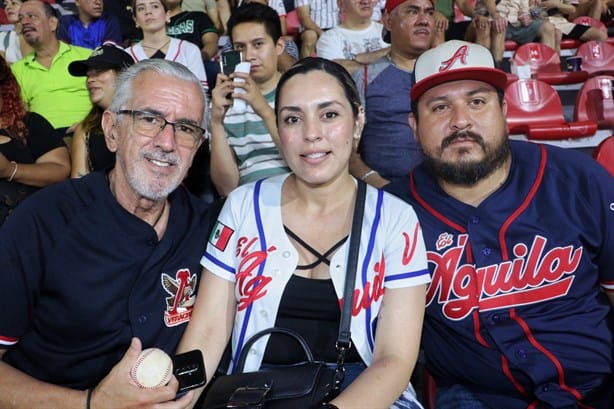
[81, 276]
[516, 309]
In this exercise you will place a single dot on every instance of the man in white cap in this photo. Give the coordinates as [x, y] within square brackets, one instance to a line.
[519, 240]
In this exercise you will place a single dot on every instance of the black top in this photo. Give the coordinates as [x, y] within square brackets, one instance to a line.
[99, 155]
[311, 308]
[41, 139]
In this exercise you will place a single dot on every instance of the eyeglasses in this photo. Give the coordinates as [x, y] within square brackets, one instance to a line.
[151, 124]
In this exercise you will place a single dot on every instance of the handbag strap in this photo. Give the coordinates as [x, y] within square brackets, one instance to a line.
[291, 333]
[344, 342]
[344, 339]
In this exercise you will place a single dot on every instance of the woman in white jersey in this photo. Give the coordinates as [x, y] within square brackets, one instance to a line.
[278, 254]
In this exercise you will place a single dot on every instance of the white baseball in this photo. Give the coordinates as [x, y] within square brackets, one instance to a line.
[152, 369]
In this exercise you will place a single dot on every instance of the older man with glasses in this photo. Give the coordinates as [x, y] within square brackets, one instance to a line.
[96, 269]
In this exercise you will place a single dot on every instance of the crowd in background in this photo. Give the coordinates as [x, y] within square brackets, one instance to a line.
[128, 99]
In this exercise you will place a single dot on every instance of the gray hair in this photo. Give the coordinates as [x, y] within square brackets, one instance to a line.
[125, 81]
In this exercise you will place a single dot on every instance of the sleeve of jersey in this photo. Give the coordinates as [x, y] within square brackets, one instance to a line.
[301, 3]
[219, 257]
[279, 7]
[196, 63]
[405, 252]
[205, 24]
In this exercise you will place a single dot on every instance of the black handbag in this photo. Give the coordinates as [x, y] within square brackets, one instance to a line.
[304, 385]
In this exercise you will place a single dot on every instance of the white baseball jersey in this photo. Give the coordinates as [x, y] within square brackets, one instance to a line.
[179, 51]
[249, 247]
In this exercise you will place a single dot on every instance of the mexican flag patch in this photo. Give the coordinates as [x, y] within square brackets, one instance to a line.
[220, 236]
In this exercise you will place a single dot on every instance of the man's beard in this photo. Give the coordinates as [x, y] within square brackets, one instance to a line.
[468, 173]
[147, 185]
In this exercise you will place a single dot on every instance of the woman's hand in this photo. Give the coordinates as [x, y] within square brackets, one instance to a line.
[6, 167]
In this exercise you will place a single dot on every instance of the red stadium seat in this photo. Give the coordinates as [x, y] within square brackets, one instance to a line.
[511, 45]
[566, 44]
[597, 57]
[545, 64]
[595, 102]
[534, 109]
[604, 154]
[589, 21]
[592, 22]
[569, 43]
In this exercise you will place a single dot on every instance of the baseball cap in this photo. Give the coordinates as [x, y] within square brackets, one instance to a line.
[105, 57]
[391, 5]
[455, 60]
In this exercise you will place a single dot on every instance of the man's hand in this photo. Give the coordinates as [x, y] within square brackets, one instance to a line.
[499, 23]
[221, 98]
[481, 23]
[118, 390]
[441, 22]
[252, 95]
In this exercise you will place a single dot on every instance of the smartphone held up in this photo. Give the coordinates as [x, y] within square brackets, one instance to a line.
[231, 62]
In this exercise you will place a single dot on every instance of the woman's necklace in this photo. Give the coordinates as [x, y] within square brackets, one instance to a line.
[155, 48]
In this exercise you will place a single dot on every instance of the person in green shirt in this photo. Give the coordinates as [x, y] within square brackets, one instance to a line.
[46, 85]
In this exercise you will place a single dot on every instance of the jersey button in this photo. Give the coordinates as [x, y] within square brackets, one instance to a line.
[486, 251]
[151, 242]
[475, 219]
[496, 318]
[521, 353]
[142, 319]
